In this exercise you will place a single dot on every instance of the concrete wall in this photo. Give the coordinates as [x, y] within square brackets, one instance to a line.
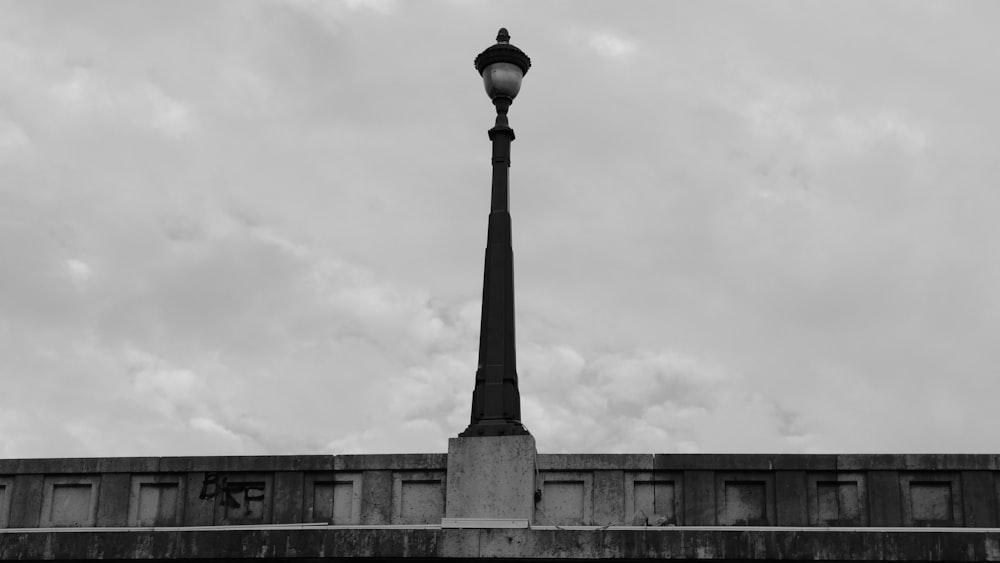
[658, 490]
[222, 491]
[422, 545]
[769, 490]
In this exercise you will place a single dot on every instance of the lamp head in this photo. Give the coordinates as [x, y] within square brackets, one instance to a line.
[502, 67]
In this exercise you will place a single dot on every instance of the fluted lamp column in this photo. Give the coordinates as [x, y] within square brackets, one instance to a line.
[496, 401]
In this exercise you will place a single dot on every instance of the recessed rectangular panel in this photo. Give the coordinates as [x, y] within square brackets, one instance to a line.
[156, 500]
[323, 501]
[4, 505]
[838, 503]
[931, 501]
[336, 501]
[931, 498]
[421, 502]
[837, 498]
[645, 503]
[157, 504]
[417, 497]
[343, 503]
[745, 503]
[166, 509]
[244, 500]
[744, 498]
[149, 504]
[665, 501]
[653, 499]
[563, 502]
[71, 505]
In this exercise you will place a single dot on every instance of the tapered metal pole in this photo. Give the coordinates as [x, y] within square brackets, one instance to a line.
[496, 401]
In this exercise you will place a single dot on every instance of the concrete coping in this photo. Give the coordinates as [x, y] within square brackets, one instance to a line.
[231, 528]
[769, 462]
[545, 462]
[49, 466]
[538, 528]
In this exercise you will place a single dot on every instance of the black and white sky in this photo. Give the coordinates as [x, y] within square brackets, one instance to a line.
[257, 227]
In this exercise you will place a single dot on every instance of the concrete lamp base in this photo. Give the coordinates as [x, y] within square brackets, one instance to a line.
[491, 477]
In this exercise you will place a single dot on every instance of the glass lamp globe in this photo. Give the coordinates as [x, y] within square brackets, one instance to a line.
[502, 67]
[502, 79]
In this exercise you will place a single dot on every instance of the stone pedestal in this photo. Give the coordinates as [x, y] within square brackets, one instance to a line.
[491, 477]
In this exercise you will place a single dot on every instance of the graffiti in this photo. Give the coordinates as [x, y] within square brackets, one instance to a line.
[228, 492]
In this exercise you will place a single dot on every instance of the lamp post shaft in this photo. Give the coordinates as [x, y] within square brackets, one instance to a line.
[501, 134]
[496, 401]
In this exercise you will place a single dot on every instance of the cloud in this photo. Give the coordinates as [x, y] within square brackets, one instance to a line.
[198, 333]
[859, 134]
[383, 7]
[208, 425]
[89, 93]
[611, 45]
[740, 247]
[13, 139]
[646, 401]
[336, 16]
[153, 379]
[82, 91]
[168, 115]
[78, 271]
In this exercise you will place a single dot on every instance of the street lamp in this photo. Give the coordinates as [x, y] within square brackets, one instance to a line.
[496, 401]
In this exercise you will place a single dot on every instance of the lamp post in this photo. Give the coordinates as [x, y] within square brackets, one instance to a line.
[496, 402]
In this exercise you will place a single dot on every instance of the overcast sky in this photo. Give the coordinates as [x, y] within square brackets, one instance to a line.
[257, 227]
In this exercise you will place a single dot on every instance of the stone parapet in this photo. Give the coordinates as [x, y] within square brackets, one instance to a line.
[615, 490]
